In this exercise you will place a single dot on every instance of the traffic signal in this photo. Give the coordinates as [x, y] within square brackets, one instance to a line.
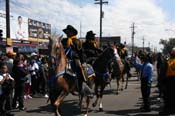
[1, 31]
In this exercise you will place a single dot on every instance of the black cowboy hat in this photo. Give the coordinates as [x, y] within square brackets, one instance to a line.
[90, 34]
[70, 28]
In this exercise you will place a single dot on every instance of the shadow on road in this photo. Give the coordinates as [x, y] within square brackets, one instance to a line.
[72, 105]
[129, 112]
[42, 109]
[155, 107]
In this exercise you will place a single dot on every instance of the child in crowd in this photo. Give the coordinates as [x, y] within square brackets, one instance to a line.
[27, 87]
[5, 90]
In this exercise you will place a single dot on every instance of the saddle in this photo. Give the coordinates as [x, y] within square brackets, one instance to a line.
[88, 70]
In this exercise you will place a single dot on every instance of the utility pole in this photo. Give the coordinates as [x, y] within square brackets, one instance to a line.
[80, 29]
[149, 46]
[101, 2]
[143, 43]
[132, 35]
[7, 19]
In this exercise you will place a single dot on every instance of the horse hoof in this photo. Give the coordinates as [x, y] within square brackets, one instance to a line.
[100, 109]
[117, 93]
[93, 105]
[85, 115]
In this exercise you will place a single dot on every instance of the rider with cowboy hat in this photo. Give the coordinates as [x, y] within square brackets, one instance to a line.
[90, 46]
[74, 47]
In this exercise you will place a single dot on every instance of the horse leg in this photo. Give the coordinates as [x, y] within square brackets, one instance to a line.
[97, 96]
[126, 86]
[118, 84]
[122, 82]
[101, 96]
[101, 105]
[58, 101]
[87, 105]
[81, 101]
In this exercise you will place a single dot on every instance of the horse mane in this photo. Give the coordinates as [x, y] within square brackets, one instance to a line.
[101, 63]
[106, 53]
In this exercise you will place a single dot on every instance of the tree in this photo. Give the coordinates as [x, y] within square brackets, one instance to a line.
[167, 45]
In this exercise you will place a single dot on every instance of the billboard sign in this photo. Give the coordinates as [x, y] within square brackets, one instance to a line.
[3, 23]
[18, 27]
[39, 29]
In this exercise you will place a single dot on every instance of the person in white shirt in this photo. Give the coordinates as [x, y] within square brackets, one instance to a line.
[34, 79]
[5, 92]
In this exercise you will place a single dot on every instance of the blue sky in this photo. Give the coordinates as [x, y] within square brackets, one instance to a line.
[169, 7]
[151, 17]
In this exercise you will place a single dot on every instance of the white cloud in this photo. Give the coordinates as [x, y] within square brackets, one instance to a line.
[149, 18]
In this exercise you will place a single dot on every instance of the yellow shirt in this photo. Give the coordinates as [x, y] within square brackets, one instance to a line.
[69, 41]
[171, 68]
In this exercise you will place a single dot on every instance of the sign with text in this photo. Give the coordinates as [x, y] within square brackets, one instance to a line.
[39, 29]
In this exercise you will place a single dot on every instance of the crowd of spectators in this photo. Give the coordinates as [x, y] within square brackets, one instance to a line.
[22, 77]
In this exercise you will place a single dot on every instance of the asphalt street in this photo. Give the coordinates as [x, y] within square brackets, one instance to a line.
[126, 103]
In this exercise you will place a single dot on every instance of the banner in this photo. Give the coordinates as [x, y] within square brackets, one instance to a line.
[18, 27]
[3, 23]
[39, 29]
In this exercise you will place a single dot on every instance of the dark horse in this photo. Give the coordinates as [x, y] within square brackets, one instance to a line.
[62, 82]
[101, 68]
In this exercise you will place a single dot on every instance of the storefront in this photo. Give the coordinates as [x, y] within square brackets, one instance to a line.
[24, 47]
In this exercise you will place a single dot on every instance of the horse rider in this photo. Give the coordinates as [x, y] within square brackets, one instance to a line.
[116, 53]
[74, 50]
[124, 55]
[167, 76]
[90, 47]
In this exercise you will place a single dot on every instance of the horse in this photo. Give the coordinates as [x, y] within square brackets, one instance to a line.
[101, 68]
[117, 72]
[61, 81]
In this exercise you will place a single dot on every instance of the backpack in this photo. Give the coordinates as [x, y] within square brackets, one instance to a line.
[170, 68]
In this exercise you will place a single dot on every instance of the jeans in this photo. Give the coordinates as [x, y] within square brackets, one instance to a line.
[145, 89]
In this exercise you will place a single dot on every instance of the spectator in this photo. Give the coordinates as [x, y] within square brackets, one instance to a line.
[27, 84]
[158, 66]
[44, 77]
[146, 79]
[33, 68]
[19, 74]
[167, 73]
[5, 90]
[9, 60]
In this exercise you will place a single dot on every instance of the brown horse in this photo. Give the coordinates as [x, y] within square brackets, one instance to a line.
[62, 83]
[101, 67]
[117, 72]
